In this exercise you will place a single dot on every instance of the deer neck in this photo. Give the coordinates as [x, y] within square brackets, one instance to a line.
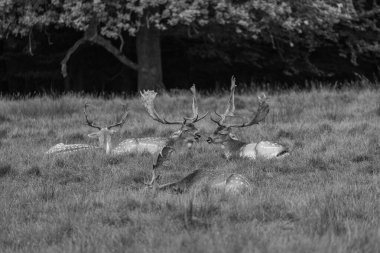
[105, 142]
[171, 141]
[174, 138]
[108, 145]
[232, 147]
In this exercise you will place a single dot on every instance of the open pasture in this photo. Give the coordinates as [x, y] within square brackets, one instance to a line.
[324, 197]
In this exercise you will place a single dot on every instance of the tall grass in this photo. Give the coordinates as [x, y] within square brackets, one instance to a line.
[324, 197]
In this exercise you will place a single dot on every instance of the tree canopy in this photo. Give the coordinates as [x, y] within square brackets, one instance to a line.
[299, 26]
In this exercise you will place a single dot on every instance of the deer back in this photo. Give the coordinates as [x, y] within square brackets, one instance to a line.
[152, 145]
[61, 148]
[212, 179]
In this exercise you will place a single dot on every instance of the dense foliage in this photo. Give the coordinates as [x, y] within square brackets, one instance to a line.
[295, 29]
[116, 16]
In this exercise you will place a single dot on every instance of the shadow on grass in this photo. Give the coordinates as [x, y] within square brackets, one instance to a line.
[318, 163]
[3, 133]
[268, 211]
[6, 170]
[4, 119]
[34, 171]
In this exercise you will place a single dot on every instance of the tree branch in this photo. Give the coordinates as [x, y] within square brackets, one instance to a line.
[121, 42]
[68, 55]
[369, 14]
[102, 42]
[48, 35]
[30, 49]
[91, 35]
[113, 50]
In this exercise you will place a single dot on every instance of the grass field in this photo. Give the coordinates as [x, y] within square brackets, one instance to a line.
[324, 197]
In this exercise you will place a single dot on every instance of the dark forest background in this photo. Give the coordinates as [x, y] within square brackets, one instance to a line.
[206, 55]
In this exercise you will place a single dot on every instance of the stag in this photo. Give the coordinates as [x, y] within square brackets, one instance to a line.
[103, 134]
[198, 179]
[234, 147]
[187, 132]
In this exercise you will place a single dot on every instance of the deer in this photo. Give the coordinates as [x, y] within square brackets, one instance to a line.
[187, 132]
[233, 147]
[212, 179]
[103, 134]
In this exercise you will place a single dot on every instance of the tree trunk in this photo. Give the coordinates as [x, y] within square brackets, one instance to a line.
[149, 59]
[67, 83]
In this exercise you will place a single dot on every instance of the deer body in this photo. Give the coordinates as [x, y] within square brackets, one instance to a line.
[103, 134]
[187, 132]
[236, 148]
[61, 148]
[151, 145]
[263, 149]
[200, 178]
[214, 180]
[105, 143]
[269, 150]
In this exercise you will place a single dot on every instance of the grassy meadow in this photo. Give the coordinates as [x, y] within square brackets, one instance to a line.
[324, 197]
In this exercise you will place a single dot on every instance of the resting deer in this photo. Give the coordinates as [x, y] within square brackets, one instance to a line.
[103, 134]
[213, 179]
[236, 148]
[187, 132]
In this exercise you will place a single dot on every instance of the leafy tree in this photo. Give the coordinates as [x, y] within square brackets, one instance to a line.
[301, 24]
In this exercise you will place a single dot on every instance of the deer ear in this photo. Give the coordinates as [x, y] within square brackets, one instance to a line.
[93, 135]
[233, 136]
[224, 131]
[177, 133]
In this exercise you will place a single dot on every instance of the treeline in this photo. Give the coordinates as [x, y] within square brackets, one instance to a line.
[125, 46]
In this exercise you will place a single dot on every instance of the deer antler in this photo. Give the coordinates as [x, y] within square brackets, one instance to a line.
[121, 122]
[230, 109]
[147, 98]
[89, 122]
[261, 113]
[195, 117]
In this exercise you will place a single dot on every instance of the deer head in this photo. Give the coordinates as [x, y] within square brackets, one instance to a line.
[176, 186]
[187, 125]
[163, 157]
[223, 131]
[104, 133]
